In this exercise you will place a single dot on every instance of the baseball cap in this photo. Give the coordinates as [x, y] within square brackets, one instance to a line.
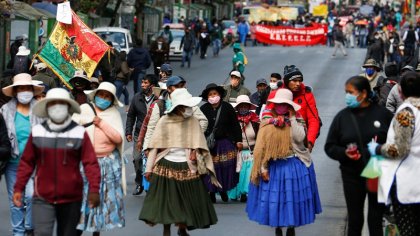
[165, 68]
[261, 81]
[236, 73]
[174, 80]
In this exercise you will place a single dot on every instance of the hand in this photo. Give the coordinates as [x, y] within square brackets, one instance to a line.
[147, 175]
[310, 146]
[129, 137]
[265, 176]
[139, 146]
[93, 199]
[96, 120]
[372, 147]
[193, 155]
[239, 146]
[17, 199]
[355, 156]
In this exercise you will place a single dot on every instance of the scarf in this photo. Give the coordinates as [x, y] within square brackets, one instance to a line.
[111, 116]
[250, 117]
[178, 137]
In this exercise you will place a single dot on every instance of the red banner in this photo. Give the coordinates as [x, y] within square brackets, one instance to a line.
[289, 36]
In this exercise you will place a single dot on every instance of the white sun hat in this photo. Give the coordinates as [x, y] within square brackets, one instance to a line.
[284, 96]
[23, 51]
[181, 97]
[55, 94]
[106, 86]
[23, 79]
[244, 99]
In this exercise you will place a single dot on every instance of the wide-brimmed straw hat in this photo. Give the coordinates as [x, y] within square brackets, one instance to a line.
[210, 87]
[55, 94]
[23, 51]
[244, 99]
[23, 79]
[106, 86]
[284, 96]
[181, 97]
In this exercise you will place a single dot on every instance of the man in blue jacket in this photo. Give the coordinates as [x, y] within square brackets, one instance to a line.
[138, 60]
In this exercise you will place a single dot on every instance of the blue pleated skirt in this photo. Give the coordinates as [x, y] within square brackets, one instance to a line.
[289, 199]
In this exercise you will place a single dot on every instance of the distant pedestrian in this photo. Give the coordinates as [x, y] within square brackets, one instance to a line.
[259, 97]
[19, 118]
[122, 78]
[104, 126]
[55, 162]
[22, 62]
[225, 128]
[80, 82]
[204, 39]
[167, 35]
[174, 166]
[410, 39]
[238, 60]
[339, 38]
[350, 132]
[159, 51]
[41, 75]
[14, 48]
[243, 30]
[216, 37]
[187, 45]
[281, 192]
[139, 61]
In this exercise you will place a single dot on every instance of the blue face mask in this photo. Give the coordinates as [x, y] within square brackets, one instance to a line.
[370, 71]
[168, 104]
[102, 103]
[351, 101]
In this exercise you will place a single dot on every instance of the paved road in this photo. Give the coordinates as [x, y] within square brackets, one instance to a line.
[325, 74]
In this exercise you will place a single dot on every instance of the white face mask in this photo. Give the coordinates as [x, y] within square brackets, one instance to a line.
[25, 97]
[188, 112]
[58, 112]
[273, 85]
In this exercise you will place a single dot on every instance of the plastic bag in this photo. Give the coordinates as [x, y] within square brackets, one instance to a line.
[373, 168]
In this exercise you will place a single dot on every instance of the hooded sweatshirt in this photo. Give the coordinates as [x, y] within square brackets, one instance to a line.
[139, 59]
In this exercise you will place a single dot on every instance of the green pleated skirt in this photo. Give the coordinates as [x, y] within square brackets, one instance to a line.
[177, 196]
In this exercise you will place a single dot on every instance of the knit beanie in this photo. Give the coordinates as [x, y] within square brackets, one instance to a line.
[291, 72]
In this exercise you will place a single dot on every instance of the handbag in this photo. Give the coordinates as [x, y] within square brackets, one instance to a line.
[211, 140]
[371, 183]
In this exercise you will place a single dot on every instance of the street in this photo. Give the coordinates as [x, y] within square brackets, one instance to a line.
[324, 74]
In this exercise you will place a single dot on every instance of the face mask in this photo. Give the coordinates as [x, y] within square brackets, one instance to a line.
[243, 112]
[377, 36]
[391, 40]
[351, 101]
[58, 112]
[168, 104]
[102, 103]
[281, 109]
[273, 85]
[214, 100]
[25, 97]
[370, 71]
[188, 112]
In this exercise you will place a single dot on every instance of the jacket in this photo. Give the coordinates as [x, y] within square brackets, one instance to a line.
[5, 148]
[9, 112]
[136, 114]
[188, 41]
[402, 152]
[139, 59]
[394, 99]
[55, 157]
[232, 94]
[228, 124]
[309, 112]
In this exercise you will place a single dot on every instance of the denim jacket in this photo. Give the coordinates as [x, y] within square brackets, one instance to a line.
[9, 112]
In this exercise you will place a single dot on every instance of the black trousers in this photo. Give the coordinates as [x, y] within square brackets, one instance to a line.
[355, 194]
[138, 163]
[406, 215]
[44, 215]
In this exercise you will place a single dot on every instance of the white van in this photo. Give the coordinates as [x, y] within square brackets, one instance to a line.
[116, 35]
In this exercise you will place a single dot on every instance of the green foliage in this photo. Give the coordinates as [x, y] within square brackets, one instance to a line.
[88, 5]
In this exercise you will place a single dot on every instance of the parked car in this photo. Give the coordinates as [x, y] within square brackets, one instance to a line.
[229, 24]
[116, 35]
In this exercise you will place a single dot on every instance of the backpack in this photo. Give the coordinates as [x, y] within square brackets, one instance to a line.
[245, 58]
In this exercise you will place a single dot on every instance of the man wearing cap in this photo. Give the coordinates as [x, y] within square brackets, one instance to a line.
[258, 97]
[135, 117]
[55, 150]
[138, 60]
[41, 75]
[235, 88]
[165, 71]
[372, 70]
[164, 103]
[80, 82]
[159, 51]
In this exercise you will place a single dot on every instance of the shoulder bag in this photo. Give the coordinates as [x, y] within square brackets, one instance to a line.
[211, 140]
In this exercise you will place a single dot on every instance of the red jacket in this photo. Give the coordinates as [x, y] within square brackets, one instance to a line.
[305, 98]
[56, 157]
